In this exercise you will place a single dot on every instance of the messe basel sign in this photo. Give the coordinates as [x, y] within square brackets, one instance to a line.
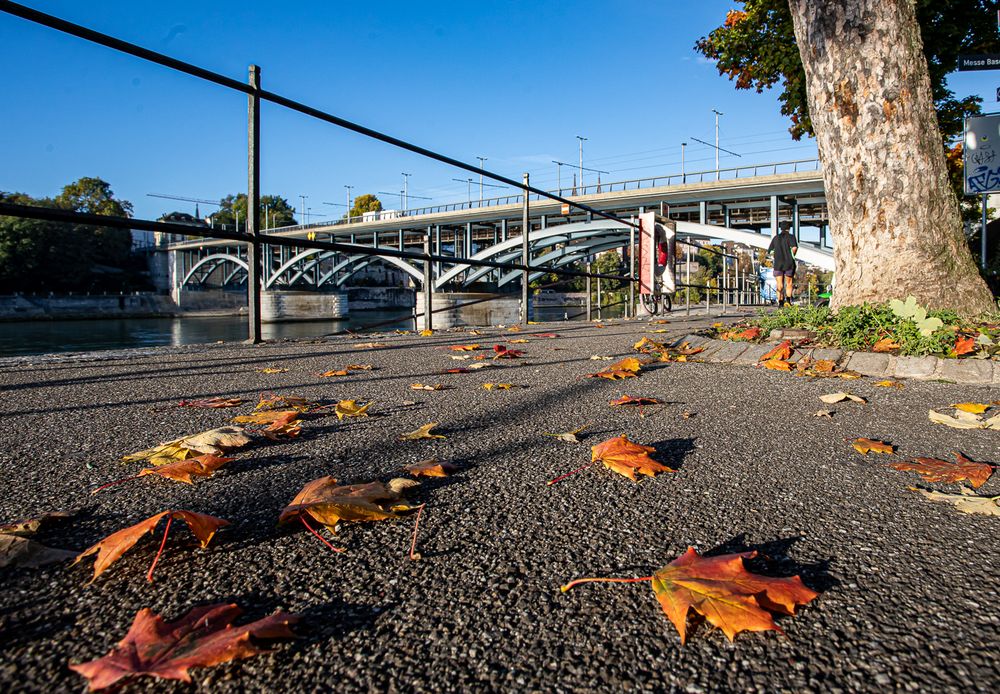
[987, 61]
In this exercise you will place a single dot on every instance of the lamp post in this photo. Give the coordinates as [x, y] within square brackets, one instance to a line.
[349, 188]
[581, 139]
[717, 114]
[683, 146]
[482, 162]
[558, 174]
[303, 197]
[406, 178]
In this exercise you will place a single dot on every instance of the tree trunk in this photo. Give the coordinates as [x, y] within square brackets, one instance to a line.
[895, 220]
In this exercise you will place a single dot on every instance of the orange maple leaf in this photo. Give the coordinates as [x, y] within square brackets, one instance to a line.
[886, 344]
[721, 590]
[781, 352]
[430, 468]
[279, 422]
[629, 400]
[626, 368]
[204, 636]
[934, 470]
[463, 348]
[116, 544]
[777, 365]
[864, 446]
[964, 345]
[627, 458]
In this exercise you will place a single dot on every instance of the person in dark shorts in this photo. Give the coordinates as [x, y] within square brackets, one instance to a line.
[784, 247]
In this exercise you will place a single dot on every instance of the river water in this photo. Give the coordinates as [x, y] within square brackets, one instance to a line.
[41, 337]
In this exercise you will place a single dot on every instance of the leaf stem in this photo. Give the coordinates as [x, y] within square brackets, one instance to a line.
[163, 543]
[578, 581]
[416, 524]
[321, 538]
[112, 484]
[560, 478]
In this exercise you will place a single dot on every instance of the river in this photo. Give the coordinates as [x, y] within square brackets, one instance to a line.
[41, 337]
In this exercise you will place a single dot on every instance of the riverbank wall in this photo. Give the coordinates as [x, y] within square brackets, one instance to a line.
[139, 305]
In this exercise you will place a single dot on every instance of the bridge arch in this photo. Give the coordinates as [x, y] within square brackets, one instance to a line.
[217, 259]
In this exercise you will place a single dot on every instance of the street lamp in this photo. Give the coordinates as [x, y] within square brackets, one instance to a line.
[581, 139]
[482, 161]
[717, 114]
[683, 145]
[303, 205]
[349, 188]
[406, 178]
[558, 175]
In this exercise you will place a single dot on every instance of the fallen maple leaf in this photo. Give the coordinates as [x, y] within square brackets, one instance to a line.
[864, 446]
[350, 408]
[421, 386]
[935, 470]
[271, 401]
[832, 398]
[17, 551]
[113, 546]
[688, 351]
[627, 458]
[520, 342]
[279, 422]
[179, 470]
[965, 501]
[498, 386]
[647, 345]
[964, 420]
[211, 403]
[964, 345]
[502, 352]
[423, 432]
[823, 365]
[463, 348]
[213, 441]
[971, 407]
[331, 374]
[777, 365]
[329, 503]
[546, 336]
[598, 357]
[886, 344]
[888, 384]
[783, 351]
[823, 413]
[721, 590]
[629, 400]
[359, 367]
[568, 436]
[371, 345]
[426, 333]
[430, 468]
[459, 357]
[625, 368]
[32, 525]
[204, 636]
[272, 370]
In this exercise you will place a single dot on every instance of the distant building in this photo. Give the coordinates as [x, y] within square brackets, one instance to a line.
[162, 239]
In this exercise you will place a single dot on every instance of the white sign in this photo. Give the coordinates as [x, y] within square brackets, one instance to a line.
[981, 155]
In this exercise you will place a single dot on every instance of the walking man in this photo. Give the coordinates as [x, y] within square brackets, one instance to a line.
[784, 248]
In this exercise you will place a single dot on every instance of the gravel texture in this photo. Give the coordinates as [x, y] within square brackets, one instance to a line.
[909, 588]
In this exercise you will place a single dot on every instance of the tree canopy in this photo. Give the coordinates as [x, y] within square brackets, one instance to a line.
[275, 211]
[365, 203]
[36, 255]
[756, 48]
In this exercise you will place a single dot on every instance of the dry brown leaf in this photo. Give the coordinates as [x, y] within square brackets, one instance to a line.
[430, 468]
[498, 386]
[886, 344]
[568, 436]
[211, 403]
[935, 470]
[272, 370]
[823, 413]
[888, 384]
[279, 422]
[421, 386]
[423, 432]
[832, 398]
[966, 502]
[214, 441]
[777, 365]
[329, 503]
[350, 408]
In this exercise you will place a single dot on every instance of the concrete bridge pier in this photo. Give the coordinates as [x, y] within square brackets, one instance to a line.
[285, 306]
[502, 309]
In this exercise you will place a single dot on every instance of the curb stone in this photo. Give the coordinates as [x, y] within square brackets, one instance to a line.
[965, 371]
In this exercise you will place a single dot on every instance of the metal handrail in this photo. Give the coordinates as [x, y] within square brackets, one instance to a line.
[732, 173]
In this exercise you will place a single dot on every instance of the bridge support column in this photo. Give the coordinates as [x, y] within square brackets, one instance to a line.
[525, 253]
[428, 322]
[774, 215]
[703, 212]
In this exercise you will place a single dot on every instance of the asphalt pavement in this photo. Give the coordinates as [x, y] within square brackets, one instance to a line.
[908, 589]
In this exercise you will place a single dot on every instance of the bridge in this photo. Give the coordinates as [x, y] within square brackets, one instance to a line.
[739, 206]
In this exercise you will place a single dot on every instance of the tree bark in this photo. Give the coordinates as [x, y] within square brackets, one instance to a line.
[895, 221]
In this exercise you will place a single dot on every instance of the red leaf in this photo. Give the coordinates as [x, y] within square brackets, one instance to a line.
[204, 636]
[964, 345]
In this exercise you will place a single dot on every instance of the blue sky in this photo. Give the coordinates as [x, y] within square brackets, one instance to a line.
[513, 81]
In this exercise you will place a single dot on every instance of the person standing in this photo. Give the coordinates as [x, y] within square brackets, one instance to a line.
[783, 245]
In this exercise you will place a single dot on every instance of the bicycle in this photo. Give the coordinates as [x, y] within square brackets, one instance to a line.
[656, 300]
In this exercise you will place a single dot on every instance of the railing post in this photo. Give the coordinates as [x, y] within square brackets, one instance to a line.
[687, 281]
[599, 298]
[525, 253]
[631, 269]
[253, 206]
[428, 285]
[590, 310]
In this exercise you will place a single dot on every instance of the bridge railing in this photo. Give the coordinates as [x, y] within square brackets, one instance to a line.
[674, 179]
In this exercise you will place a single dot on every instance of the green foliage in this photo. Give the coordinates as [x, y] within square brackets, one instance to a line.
[860, 327]
[925, 324]
[365, 203]
[44, 256]
[756, 48]
[275, 211]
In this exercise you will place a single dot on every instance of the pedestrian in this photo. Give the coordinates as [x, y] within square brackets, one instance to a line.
[783, 245]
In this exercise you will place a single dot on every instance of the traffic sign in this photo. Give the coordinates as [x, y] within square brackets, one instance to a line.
[981, 155]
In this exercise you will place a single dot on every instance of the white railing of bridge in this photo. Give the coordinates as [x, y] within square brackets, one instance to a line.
[728, 174]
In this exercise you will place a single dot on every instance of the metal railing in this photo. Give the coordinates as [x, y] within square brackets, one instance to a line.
[728, 174]
[253, 238]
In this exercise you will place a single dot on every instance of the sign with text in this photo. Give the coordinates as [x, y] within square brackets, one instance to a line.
[986, 61]
[981, 155]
